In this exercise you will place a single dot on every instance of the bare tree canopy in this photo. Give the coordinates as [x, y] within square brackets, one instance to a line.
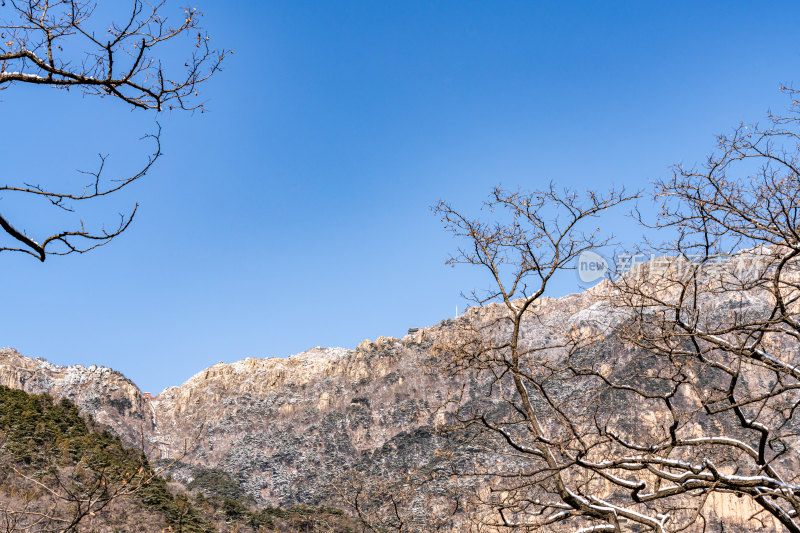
[117, 52]
[683, 394]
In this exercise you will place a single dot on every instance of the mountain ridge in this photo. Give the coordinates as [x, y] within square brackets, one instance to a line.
[336, 402]
[291, 430]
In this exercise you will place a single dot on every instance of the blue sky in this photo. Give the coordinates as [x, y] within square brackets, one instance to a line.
[296, 212]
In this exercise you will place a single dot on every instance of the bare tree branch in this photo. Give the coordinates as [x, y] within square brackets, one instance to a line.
[71, 44]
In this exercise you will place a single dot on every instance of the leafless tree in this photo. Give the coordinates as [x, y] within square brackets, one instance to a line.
[722, 319]
[77, 476]
[60, 498]
[115, 51]
[673, 409]
[382, 504]
[537, 236]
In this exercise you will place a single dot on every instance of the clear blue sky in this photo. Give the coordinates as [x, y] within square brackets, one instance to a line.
[296, 213]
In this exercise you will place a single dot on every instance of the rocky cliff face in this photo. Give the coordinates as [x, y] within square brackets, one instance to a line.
[107, 395]
[285, 428]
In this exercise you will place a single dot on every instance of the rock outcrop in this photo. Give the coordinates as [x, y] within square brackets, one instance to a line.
[111, 398]
[285, 428]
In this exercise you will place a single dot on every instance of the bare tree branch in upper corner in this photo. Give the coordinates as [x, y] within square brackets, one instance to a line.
[66, 44]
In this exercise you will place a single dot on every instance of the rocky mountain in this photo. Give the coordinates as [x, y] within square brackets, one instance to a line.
[283, 427]
[111, 398]
[288, 429]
